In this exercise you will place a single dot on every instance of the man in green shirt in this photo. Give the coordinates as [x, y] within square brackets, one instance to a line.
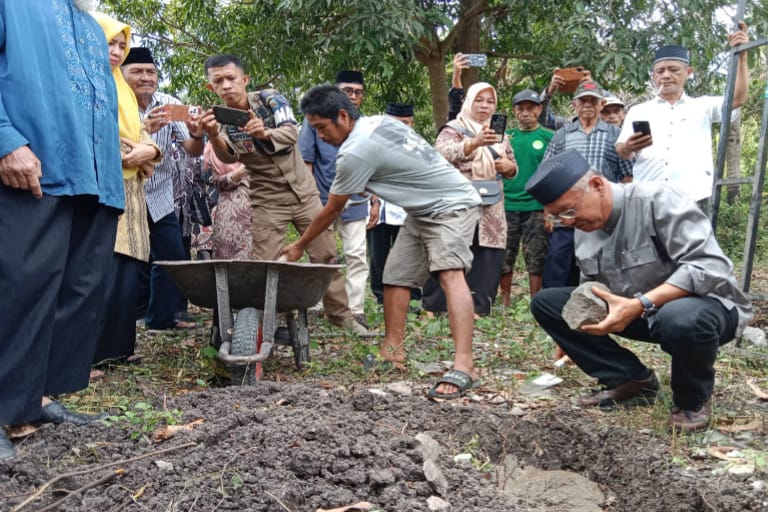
[525, 216]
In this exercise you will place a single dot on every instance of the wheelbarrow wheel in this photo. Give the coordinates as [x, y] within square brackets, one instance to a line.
[244, 339]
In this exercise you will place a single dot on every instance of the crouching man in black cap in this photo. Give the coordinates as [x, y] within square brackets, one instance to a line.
[670, 284]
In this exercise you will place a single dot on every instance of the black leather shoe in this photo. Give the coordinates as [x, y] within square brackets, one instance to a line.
[57, 414]
[631, 393]
[7, 450]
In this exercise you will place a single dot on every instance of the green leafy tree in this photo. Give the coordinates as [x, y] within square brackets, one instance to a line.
[404, 46]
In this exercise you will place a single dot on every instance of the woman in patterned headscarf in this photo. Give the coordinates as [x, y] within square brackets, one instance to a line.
[472, 146]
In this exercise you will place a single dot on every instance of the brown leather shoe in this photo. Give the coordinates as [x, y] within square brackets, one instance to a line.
[686, 420]
[632, 393]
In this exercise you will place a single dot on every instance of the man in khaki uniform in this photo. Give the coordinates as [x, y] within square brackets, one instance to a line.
[282, 190]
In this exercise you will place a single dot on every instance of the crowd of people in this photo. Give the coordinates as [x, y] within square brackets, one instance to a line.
[583, 198]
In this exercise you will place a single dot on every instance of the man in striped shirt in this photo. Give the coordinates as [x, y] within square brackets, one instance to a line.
[167, 306]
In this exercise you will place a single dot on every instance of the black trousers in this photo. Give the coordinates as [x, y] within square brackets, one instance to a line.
[380, 241]
[165, 298]
[560, 267]
[55, 262]
[118, 329]
[483, 280]
[689, 329]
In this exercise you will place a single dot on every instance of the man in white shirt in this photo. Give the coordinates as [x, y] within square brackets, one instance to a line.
[680, 125]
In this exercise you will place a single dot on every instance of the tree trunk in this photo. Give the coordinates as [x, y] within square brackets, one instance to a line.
[464, 38]
[733, 155]
[438, 89]
[468, 40]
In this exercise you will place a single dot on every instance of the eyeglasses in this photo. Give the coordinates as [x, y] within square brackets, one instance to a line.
[351, 91]
[570, 213]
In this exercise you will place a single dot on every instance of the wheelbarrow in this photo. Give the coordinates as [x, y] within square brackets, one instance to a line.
[260, 290]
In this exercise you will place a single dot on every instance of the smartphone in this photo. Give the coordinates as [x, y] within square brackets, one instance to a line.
[643, 127]
[477, 60]
[181, 112]
[499, 125]
[233, 116]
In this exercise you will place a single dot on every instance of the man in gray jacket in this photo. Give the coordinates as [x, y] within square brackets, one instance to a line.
[669, 283]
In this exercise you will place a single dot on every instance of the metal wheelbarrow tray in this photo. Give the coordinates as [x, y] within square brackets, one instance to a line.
[247, 285]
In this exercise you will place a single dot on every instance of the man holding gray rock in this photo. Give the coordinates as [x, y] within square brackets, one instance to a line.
[669, 283]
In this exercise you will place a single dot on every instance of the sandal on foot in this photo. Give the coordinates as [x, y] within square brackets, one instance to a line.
[461, 380]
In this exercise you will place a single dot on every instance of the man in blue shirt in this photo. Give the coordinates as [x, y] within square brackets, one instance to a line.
[61, 194]
[320, 158]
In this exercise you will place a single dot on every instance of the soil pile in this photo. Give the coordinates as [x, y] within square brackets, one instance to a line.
[278, 447]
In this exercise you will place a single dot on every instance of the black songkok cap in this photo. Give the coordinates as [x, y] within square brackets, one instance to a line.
[350, 77]
[556, 175]
[400, 109]
[139, 55]
[672, 53]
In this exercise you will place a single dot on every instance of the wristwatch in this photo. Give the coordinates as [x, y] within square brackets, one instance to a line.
[649, 308]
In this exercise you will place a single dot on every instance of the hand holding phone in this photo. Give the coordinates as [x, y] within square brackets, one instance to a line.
[181, 113]
[499, 125]
[231, 116]
[477, 60]
[643, 127]
[571, 78]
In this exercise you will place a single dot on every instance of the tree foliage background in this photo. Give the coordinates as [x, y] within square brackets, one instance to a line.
[405, 46]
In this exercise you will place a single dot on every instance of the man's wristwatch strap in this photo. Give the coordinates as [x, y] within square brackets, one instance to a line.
[649, 308]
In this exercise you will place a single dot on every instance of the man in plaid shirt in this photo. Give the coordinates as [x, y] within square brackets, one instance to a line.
[595, 140]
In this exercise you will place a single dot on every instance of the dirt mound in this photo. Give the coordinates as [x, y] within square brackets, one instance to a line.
[277, 447]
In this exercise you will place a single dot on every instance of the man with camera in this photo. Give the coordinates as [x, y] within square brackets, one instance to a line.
[681, 125]
[259, 130]
[166, 307]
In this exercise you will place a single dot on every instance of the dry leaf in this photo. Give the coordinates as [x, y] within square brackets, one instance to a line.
[752, 425]
[363, 505]
[719, 452]
[167, 432]
[19, 431]
[759, 393]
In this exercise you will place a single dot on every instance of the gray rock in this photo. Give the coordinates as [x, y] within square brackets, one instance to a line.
[429, 448]
[435, 477]
[584, 307]
[380, 476]
[754, 336]
[163, 465]
[741, 472]
[437, 504]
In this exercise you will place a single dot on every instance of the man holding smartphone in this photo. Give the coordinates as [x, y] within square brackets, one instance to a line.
[282, 189]
[164, 306]
[680, 125]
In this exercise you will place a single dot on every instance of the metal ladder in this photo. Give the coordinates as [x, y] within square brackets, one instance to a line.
[758, 179]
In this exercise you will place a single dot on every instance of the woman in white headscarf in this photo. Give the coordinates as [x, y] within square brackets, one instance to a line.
[473, 147]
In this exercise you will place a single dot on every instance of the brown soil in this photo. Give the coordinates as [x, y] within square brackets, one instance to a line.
[296, 447]
[312, 444]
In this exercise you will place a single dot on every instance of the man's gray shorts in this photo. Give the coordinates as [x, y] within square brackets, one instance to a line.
[430, 244]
